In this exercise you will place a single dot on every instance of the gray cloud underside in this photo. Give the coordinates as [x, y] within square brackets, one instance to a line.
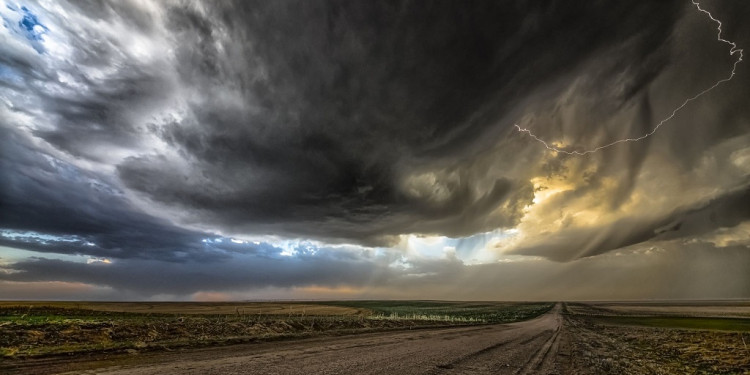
[358, 96]
[308, 119]
[148, 277]
[333, 103]
[682, 272]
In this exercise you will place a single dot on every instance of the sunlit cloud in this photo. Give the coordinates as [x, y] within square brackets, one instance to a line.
[98, 261]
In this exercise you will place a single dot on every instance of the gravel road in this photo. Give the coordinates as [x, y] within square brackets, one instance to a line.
[529, 347]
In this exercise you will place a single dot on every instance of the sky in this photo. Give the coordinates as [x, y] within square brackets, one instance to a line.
[244, 150]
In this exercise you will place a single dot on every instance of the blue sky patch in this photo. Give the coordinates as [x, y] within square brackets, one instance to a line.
[29, 22]
[25, 23]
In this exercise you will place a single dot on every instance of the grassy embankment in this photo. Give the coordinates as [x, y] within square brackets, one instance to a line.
[29, 329]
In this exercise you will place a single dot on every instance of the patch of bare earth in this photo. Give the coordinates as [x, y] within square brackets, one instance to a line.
[608, 349]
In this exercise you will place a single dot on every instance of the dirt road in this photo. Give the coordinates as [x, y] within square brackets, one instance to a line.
[529, 347]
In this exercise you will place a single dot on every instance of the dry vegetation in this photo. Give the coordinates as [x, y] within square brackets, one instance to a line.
[739, 309]
[598, 338]
[603, 345]
[33, 329]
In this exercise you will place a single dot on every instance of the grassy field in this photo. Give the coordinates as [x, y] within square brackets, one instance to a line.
[32, 329]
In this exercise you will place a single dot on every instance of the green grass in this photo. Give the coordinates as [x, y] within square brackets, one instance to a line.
[721, 324]
[52, 314]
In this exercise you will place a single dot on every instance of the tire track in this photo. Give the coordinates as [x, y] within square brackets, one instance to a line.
[544, 356]
[530, 350]
[456, 364]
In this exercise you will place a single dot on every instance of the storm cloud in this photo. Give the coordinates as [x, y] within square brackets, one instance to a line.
[154, 134]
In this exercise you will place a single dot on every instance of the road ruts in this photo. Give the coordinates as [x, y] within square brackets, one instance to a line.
[529, 347]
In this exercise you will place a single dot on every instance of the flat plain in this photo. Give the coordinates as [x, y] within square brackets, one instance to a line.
[371, 337]
[191, 308]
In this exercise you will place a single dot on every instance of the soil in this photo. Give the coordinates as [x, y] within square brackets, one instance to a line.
[559, 342]
[609, 349]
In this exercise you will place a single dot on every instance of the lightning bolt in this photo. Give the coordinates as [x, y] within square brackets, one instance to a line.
[732, 51]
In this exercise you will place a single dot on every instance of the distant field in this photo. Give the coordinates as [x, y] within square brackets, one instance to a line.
[204, 308]
[48, 328]
[740, 309]
[734, 316]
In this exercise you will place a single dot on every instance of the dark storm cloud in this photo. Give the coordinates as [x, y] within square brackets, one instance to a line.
[134, 131]
[99, 110]
[339, 102]
[42, 194]
[102, 117]
[334, 104]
